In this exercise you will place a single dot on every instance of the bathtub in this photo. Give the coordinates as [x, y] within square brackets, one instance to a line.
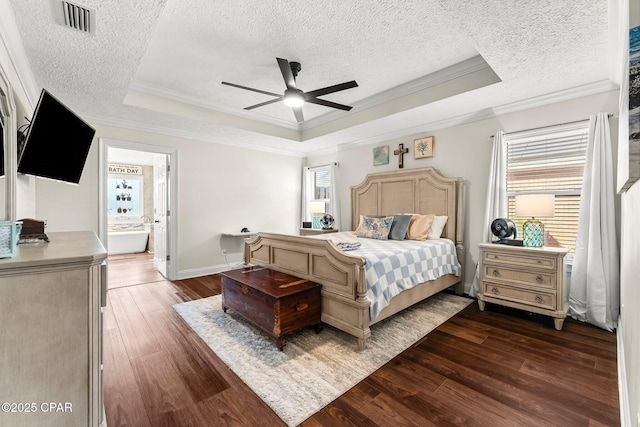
[127, 241]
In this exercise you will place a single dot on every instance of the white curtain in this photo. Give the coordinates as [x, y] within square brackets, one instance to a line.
[594, 295]
[497, 202]
[335, 196]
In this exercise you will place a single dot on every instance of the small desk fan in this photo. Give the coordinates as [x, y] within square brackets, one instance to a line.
[503, 228]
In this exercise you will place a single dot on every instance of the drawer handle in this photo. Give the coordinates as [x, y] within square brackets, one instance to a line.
[539, 279]
[496, 272]
[539, 299]
[302, 306]
[495, 290]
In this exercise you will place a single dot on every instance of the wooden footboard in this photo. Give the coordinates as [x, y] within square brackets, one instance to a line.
[344, 304]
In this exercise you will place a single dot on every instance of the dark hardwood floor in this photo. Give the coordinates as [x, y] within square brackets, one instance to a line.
[500, 367]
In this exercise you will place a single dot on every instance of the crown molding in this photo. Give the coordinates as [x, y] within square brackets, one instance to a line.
[13, 42]
[487, 113]
[152, 89]
[460, 69]
[144, 127]
[484, 114]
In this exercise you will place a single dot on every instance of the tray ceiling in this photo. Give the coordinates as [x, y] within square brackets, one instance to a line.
[157, 65]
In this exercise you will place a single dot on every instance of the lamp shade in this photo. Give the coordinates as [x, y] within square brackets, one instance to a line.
[535, 205]
[316, 207]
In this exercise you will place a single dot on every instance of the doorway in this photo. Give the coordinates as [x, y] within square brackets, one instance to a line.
[159, 214]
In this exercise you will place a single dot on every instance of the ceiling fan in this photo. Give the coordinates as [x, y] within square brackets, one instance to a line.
[294, 97]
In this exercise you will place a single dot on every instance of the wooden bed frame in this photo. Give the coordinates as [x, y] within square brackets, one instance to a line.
[344, 304]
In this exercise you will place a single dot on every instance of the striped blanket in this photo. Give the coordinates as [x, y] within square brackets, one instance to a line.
[393, 266]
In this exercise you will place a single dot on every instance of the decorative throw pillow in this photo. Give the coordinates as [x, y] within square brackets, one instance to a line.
[375, 228]
[419, 227]
[360, 221]
[399, 227]
[438, 225]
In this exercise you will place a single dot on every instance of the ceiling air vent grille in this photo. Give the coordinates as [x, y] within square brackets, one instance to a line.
[78, 17]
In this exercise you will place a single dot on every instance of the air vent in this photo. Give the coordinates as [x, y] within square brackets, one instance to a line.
[78, 17]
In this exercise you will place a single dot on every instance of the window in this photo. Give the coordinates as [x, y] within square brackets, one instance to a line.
[320, 191]
[551, 161]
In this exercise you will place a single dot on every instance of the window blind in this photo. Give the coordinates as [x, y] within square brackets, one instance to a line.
[549, 160]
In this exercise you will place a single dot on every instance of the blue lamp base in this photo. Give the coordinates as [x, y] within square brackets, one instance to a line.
[533, 233]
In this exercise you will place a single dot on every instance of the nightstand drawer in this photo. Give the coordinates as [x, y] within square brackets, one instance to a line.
[543, 280]
[539, 299]
[525, 261]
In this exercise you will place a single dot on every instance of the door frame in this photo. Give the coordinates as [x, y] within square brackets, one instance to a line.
[172, 226]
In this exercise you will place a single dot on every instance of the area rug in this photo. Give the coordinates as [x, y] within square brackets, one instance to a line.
[313, 369]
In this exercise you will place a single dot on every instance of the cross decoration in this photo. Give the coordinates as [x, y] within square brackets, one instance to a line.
[401, 151]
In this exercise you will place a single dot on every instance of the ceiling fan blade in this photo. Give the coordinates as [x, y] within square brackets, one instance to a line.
[328, 104]
[332, 89]
[252, 89]
[287, 74]
[271, 101]
[298, 112]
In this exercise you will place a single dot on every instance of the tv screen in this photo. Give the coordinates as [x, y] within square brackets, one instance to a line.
[57, 142]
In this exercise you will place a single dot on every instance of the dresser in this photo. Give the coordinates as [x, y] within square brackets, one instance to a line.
[526, 278]
[51, 295]
[316, 231]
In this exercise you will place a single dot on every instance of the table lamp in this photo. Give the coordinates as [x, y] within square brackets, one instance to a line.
[316, 208]
[534, 205]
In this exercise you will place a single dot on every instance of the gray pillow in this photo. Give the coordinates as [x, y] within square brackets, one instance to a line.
[399, 227]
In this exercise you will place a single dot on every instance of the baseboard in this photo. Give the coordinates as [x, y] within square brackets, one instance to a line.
[623, 391]
[205, 271]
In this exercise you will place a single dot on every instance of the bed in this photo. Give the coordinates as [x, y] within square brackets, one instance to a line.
[342, 274]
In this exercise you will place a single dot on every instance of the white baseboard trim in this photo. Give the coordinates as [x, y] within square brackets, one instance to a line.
[205, 271]
[623, 391]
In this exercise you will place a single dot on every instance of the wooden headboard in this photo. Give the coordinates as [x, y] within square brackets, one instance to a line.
[421, 191]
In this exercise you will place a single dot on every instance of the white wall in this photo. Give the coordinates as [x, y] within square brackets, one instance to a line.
[221, 189]
[463, 151]
[630, 297]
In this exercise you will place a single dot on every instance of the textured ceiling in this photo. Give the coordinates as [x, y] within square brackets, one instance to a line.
[157, 64]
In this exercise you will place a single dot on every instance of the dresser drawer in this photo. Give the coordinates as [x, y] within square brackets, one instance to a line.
[539, 299]
[543, 280]
[538, 261]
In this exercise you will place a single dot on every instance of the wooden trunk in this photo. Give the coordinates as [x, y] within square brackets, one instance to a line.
[276, 302]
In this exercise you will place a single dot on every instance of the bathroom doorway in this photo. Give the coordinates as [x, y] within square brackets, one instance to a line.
[137, 183]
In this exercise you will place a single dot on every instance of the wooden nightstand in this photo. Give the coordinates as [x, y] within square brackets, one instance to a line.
[314, 231]
[526, 278]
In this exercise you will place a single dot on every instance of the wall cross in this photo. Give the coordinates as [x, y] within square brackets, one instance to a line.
[401, 151]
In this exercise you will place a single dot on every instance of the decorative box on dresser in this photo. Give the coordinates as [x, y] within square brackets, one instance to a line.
[51, 295]
[526, 278]
[316, 231]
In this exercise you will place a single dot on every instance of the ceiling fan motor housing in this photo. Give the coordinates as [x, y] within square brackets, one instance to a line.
[295, 68]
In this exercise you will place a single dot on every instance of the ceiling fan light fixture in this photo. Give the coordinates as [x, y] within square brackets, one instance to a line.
[293, 98]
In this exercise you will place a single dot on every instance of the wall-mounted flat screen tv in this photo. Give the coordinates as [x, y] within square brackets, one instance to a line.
[57, 143]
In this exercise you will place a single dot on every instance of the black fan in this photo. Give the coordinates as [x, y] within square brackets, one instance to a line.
[503, 228]
[295, 97]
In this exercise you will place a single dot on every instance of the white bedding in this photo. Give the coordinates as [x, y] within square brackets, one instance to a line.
[393, 266]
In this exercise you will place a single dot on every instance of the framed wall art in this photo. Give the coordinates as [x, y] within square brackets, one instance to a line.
[423, 147]
[381, 155]
[629, 112]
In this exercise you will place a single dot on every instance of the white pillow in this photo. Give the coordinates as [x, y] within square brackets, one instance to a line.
[438, 225]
